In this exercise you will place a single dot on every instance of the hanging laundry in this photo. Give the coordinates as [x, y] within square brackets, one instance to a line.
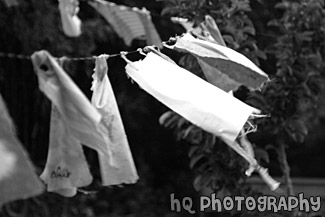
[125, 23]
[80, 117]
[222, 66]
[201, 103]
[10, 3]
[128, 23]
[15, 164]
[197, 101]
[151, 34]
[71, 23]
[120, 167]
[66, 168]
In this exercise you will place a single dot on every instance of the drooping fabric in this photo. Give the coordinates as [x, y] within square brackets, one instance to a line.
[125, 23]
[81, 118]
[15, 164]
[128, 24]
[71, 23]
[197, 101]
[120, 167]
[66, 168]
[222, 66]
[74, 121]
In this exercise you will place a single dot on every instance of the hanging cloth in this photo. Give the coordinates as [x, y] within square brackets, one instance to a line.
[222, 66]
[73, 122]
[151, 34]
[66, 168]
[82, 119]
[197, 101]
[71, 23]
[129, 24]
[15, 164]
[120, 167]
[125, 23]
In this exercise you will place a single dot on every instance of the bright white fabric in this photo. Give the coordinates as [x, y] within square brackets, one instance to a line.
[79, 116]
[71, 23]
[66, 167]
[222, 66]
[128, 24]
[119, 168]
[75, 121]
[199, 102]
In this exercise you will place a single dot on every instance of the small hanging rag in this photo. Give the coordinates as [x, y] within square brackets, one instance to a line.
[120, 167]
[75, 121]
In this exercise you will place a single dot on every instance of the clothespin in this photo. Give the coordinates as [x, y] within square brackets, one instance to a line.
[61, 60]
[123, 55]
[156, 51]
[140, 50]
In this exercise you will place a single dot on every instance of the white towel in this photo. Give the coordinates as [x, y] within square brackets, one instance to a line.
[78, 122]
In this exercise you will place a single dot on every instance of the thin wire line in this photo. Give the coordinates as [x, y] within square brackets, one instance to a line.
[14, 56]
[25, 57]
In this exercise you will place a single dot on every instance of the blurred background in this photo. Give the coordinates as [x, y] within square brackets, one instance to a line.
[160, 154]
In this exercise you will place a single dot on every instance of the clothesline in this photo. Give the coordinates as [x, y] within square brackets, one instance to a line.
[26, 57]
[143, 51]
[216, 119]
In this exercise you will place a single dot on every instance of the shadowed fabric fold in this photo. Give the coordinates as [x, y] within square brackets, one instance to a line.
[196, 100]
[66, 168]
[128, 24]
[78, 120]
[18, 178]
[120, 167]
[222, 66]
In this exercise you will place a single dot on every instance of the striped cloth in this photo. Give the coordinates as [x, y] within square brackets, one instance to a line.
[128, 23]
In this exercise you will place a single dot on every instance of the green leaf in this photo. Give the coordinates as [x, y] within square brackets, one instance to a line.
[249, 30]
[282, 5]
[193, 150]
[197, 183]
[297, 130]
[195, 159]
